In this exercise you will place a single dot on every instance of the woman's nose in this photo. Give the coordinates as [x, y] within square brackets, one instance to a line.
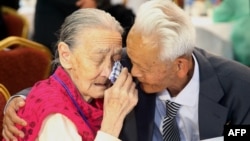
[106, 70]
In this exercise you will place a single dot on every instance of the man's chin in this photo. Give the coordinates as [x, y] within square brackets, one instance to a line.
[148, 89]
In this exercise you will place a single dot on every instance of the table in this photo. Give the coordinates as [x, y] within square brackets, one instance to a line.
[213, 37]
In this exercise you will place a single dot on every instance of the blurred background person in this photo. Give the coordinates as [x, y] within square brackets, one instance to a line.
[3, 28]
[12, 4]
[231, 10]
[237, 12]
[240, 37]
[49, 15]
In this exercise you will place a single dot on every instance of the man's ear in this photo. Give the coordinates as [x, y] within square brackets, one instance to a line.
[182, 65]
[65, 55]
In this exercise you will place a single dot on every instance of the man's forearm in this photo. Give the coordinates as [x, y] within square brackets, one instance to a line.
[24, 92]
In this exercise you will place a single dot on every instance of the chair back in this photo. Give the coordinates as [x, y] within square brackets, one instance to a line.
[17, 24]
[4, 96]
[23, 65]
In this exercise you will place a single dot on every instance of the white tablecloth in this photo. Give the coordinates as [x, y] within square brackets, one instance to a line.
[213, 37]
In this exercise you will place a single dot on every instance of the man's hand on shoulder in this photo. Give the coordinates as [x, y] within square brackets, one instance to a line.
[11, 118]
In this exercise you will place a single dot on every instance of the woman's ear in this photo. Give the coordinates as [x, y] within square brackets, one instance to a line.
[65, 55]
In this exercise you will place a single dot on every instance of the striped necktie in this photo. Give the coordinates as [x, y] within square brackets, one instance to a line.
[170, 128]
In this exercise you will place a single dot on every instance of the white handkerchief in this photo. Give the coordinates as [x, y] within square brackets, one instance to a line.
[116, 70]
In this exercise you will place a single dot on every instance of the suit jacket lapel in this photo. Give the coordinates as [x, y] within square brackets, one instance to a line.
[212, 115]
[139, 124]
[129, 130]
[145, 116]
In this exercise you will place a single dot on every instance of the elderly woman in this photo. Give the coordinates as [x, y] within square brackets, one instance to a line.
[77, 102]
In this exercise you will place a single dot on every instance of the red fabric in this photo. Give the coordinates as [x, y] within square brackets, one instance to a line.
[21, 67]
[14, 24]
[49, 97]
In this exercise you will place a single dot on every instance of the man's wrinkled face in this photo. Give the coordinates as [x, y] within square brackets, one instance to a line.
[93, 58]
[153, 74]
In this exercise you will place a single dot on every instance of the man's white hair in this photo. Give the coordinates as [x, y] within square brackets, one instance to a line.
[163, 24]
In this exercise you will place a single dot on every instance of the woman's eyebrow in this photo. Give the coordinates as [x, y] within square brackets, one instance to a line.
[103, 50]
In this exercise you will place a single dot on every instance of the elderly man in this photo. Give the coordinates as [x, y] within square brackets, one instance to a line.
[185, 93]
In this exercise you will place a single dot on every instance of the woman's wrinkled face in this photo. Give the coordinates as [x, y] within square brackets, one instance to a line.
[92, 60]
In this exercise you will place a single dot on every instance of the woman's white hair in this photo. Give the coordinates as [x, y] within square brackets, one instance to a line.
[162, 23]
[86, 18]
[79, 22]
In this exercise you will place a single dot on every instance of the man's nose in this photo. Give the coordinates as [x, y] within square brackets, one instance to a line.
[135, 72]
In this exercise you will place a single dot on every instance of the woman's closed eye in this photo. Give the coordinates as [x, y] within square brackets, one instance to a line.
[97, 60]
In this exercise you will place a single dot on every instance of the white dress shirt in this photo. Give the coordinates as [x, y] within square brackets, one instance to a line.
[58, 127]
[187, 116]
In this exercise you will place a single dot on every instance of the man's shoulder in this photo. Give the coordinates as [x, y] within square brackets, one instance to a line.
[125, 61]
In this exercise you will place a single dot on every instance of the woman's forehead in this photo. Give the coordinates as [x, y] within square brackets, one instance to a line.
[100, 36]
[100, 42]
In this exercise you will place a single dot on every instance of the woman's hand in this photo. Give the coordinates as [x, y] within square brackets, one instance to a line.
[10, 119]
[119, 100]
